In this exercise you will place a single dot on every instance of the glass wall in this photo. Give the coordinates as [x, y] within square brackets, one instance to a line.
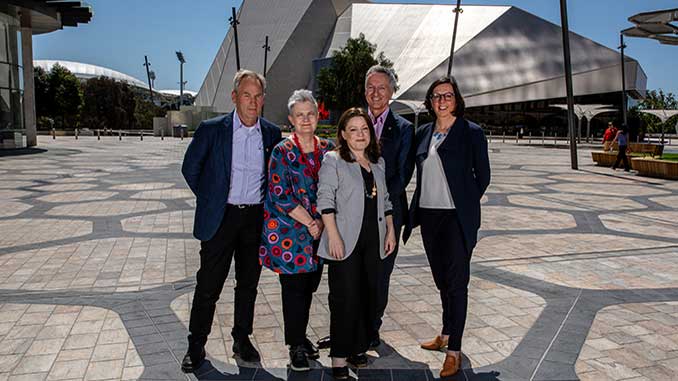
[12, 131]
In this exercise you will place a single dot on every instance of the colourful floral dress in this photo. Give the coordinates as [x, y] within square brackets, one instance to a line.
[287, 246]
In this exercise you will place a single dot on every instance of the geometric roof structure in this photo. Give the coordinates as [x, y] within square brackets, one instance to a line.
[50, 15]
[503, 54]
[657, 25]
[87, 71]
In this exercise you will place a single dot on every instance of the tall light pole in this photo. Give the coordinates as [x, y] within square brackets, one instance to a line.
[456, 11]
[622, 46]
[267, 48]
[568, 84]
[182, 61]
[234, 23]
[152, 73]
[148, 74]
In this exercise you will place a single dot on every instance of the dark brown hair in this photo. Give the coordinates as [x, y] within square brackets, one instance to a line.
[460, 105]
[372, 151]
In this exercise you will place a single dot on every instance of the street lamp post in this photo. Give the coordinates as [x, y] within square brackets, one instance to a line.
[148, 74]
[568, 83]
[234, 23]
[622, 46]
[457, 11]
[182, 61]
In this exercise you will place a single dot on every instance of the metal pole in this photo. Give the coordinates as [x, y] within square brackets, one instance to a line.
[622, 46]
[266, 48]
[148, 74]
[457, 11]
[234, 24]
[181, 84]
[568, 83]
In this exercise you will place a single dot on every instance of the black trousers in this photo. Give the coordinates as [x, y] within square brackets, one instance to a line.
[621, 156]
[450, 264]
[353, 285]
[238, 236]
[297, 294]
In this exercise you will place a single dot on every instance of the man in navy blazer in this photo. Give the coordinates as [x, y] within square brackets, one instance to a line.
[225, 166]
[396, 135]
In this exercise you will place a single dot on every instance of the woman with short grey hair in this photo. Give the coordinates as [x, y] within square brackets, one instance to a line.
[292, 223]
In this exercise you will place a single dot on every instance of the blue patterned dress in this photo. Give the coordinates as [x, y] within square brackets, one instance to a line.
[287, 246]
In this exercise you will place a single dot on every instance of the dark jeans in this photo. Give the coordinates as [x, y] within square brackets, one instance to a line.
[353, 295]
[238, 236]
[450, 264]
[621, 156]
[297, 294]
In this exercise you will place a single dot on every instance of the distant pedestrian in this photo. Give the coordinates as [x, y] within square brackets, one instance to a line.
[622, 139]
[609, 136]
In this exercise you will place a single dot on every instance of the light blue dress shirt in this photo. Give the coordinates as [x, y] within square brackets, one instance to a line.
[247, 166]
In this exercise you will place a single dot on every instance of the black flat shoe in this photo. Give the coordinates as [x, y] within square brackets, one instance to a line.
[324, 343]
[340, 373]
[358, 361]
[192, 361]
[310, 349]
[375, 343]
[246, 350]
[298, 360]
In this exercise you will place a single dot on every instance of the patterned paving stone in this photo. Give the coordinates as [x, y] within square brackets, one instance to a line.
[60, 197]
[64, 187]
[180, 221]
[106, 208]
[601, 189]
[24, 231]
[632, 340]
[12, 208]
[513, 218]
[142, 186]
[668, 201]
[510, 188]
[10, 184]
[8, 194]
[61, 351]
[519, 180]
[586, 177]
[574, 202]
[651, 223]
[163, 194]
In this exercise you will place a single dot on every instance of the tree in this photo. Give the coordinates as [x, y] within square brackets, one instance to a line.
[342, 84]
[145, 112]
[109, 104]
[656, 100]
[65, 97]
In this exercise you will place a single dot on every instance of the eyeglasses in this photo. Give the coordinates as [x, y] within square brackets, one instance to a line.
[438, 97]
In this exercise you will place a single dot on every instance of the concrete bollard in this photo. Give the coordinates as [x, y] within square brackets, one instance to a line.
[555, 139]
[517, 138]
[76, 134]
[503, 137]
[53, 133]
[543, 138]
[119, 134]
[162, 134]
[181, 133]
[98, 134]
[141, 136]
[529, 138]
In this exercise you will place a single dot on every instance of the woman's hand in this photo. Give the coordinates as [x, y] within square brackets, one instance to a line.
[321, 225]
[314, 229]
[336, 246]
[390, 244]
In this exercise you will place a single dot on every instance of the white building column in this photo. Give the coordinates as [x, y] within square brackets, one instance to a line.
[30, 123]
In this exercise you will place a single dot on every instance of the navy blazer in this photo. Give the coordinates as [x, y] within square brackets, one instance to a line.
[465, 161]
[397, 149]
[207, 169]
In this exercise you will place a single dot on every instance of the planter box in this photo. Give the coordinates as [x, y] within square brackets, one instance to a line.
[664, 169]
[604, 158]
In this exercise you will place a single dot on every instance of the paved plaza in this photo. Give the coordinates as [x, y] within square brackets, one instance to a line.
[575, 275]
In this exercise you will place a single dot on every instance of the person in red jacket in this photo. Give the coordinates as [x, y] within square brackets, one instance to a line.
[608, 136]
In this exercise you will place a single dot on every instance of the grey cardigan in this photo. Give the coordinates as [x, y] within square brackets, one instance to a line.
[341, 188]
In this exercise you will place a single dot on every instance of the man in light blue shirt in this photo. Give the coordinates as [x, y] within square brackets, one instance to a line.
[225, 167]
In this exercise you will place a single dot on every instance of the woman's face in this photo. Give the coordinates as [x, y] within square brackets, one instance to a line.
[443, 101]
[357, 133]
[304, 118]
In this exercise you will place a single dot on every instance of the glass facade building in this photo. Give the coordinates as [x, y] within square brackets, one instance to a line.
[12, 128]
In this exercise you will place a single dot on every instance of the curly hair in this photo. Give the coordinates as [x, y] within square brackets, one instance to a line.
[372, 151]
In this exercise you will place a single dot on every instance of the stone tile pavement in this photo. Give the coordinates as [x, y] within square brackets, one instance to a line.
[575, 275]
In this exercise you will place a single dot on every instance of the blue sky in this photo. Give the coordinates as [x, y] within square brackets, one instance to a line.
[123, 31]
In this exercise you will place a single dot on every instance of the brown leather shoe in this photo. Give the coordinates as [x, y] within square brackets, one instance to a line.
[435, 345]
[451, 365]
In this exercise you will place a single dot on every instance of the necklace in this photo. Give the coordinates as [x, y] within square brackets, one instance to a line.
[315, 168]
[373, 193]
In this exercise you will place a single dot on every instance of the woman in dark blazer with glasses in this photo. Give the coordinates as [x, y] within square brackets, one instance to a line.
[453, 172]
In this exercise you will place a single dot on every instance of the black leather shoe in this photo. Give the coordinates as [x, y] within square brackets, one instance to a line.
[340, 373]
[246, 350]
[324, 343]
[310, 349]
[375, 343]
[358, 361]
[298, 360]
[192, 362]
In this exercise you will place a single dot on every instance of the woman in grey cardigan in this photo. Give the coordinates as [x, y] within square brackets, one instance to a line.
[356, 211]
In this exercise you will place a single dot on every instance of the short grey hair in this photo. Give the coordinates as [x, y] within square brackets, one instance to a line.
[390, 73]
[244, 73]
[300, 96]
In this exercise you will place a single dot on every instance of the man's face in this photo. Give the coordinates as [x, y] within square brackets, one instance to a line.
[378, 92]
[249, 100]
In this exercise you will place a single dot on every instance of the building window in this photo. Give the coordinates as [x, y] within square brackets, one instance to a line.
[11, 80]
